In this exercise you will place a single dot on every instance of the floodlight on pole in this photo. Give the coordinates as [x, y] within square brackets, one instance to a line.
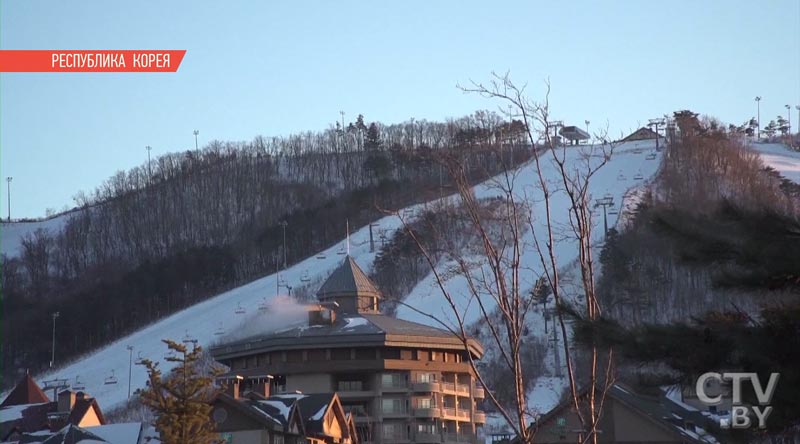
[284, 224]
[149, 170]
[130, 368]
[8, 188]
[53, 356]
[758, 117]
[789, 119]
[195, 132]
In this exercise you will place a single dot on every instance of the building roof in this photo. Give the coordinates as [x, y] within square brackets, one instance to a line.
[574, 133]
[348, 280]
[658, 409]
[81, 407]
[642, 133]
[25, 392]
[73, 434]
[351, 330]
[361, 329]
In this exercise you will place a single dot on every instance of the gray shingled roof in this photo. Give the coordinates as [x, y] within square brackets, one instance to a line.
[348, 280]
[363, 329]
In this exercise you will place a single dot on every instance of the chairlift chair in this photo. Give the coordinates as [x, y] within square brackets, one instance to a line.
[188, 339]
[79, 385]
[321, 256]
[239, 309]
[651, 156]
[219, 331]
[621, 177]
[342, 251]
[305, 277]
[111, 379]
[408, 212]
[139, 359]
[638, 176]
[613, 211]
[263, 306]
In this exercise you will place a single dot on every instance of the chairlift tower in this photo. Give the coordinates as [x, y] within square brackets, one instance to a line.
[655, 123]
[605, 202]
[195, 132]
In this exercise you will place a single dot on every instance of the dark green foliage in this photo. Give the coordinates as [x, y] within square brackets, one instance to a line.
[181, 400]
[717, 342]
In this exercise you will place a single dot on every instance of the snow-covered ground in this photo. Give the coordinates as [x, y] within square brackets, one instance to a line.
[615, 179]
[781, 158]
[625, 178]
[12, 233]
[202, 321]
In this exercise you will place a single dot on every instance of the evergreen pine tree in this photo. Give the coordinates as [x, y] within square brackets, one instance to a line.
[180, 401]
[373, 140]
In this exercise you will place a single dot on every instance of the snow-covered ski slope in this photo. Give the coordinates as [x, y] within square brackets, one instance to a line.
[781, 158]
[12, 233]
[203, 320]
[628, 169]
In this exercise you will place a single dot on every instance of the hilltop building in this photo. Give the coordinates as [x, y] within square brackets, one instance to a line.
[401, 381]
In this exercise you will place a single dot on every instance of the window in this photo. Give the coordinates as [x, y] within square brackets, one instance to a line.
[426, 377]
[392, 430]
[434, 356]
[425, 403]
[351, 386]
[365, 353]
[392, 380]
[340, 354]
[392, 405]
[426, 428]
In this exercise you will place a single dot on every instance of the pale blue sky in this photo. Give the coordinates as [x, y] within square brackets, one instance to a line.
[274, 68]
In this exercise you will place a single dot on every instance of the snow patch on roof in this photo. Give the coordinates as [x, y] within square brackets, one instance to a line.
[317, 416]
[14, 412]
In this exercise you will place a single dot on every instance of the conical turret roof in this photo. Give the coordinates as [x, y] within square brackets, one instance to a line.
[25, 392]
[348, 280]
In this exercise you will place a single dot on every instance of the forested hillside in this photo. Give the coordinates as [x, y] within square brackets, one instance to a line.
[165, 235]
[707, 275]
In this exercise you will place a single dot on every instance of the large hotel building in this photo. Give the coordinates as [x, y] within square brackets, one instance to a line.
[402, 381]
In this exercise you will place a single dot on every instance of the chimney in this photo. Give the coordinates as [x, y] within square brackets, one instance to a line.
[322, 314]
[66, 399]
[232, 386]
[261, 385]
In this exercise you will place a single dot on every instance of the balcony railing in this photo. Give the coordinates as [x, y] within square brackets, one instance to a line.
[479, 392]
[394, 386]
[426, 412]
[430, 438]
[431, 386]
[458, 438]
[479, 417]
[395, 437]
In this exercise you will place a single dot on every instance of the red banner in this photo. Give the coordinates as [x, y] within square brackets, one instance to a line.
[90, 61]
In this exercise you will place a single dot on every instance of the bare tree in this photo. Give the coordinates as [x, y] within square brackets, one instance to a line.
[499, 284]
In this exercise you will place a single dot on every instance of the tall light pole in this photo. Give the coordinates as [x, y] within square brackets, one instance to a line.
[758, 117]
[149, 171]
[789, 121]
[195, 132]
[797, 107]
[8, 188]
[587, 127]
[130, 367]
[284, 224]
[53, 356]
